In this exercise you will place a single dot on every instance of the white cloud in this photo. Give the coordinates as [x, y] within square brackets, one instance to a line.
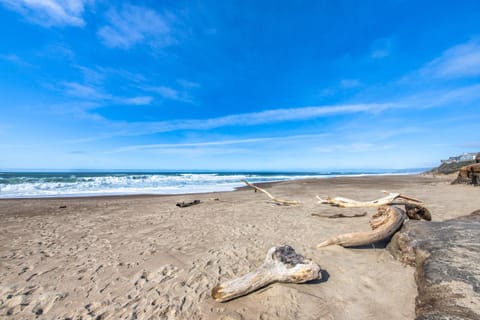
[133, 25]
[215, 143]
[457, 62]
[50, 12]
[443, 97]
[15, 59]
[91, 93]
[140, 101]
[78, 90]
[91, 75]
[381, 48]
[350, 83]
[357, 147]
[293, 114]
[167, 92]
[172, 94]
[188, 84]
[250, 119]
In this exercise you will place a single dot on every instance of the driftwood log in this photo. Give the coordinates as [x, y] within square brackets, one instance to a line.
[417, 212]
[276, 200]
[339, 215]
[391, 198]
[447, 260]
[384, 224]
[282, 264]
[187, 204]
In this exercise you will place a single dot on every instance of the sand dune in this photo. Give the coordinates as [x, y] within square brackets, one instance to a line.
[141, 257]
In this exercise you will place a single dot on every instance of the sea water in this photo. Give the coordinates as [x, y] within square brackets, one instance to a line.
[78, 183]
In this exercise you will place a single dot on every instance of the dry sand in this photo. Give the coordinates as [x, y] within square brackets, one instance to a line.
[141, 257]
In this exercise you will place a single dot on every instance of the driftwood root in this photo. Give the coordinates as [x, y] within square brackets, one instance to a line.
[282, 264]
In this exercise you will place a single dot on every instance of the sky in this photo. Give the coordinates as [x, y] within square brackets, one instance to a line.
[237, 85]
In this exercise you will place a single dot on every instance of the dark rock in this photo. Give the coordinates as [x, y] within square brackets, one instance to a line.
[447, 259]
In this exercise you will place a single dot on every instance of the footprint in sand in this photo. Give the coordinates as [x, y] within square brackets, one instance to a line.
[46, 301]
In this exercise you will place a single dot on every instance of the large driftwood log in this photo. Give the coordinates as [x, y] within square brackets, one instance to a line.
[447, 260]
[276, 200]
[384, 223]
[282, 264]
[391, 198]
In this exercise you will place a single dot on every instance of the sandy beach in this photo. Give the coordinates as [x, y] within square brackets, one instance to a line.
[142, 257]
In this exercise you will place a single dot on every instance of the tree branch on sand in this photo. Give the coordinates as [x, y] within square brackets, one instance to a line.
[276, 200]
[387, 200]
[282, 264]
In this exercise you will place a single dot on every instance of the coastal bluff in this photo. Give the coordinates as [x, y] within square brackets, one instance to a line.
[447, 260]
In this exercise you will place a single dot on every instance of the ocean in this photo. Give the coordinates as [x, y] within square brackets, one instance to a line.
[87, 183]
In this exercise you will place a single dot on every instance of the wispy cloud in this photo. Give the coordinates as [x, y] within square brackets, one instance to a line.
[170, 93]
[442, 97]
[293, 114]
[13, 58]
[188, 84]
[133, 25]
[350, 83]
[78, 90]
[381, 48]
[247, 119]
[430, 99]
[356, 147]
[79, 109]
[90, 75]
[215, 143]
[50, 12]
[457, 62]
[92, 93]
[139, 101]
[167, 92]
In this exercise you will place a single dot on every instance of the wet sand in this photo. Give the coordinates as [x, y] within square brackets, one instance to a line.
[141, 257]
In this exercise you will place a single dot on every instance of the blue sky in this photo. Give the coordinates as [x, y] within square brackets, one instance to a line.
[270, 85]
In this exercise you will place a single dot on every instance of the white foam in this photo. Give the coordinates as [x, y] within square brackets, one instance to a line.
[134, 184]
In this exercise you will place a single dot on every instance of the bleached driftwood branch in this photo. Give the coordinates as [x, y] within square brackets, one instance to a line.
[282, 264]
[277, 201]
[390, 199]
[384, 223]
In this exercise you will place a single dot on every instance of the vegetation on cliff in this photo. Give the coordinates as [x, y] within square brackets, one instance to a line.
[447, 168]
